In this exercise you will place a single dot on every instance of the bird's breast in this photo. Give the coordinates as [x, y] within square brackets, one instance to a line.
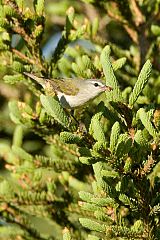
[70, 101]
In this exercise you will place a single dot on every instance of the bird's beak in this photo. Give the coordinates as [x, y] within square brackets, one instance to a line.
[107, 88]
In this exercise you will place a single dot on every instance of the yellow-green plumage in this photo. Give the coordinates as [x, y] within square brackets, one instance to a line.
[66, 86]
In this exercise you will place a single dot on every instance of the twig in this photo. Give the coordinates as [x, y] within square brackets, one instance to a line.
[18, 29]
[22, 56]
[27, 59]
[132, 33]
[138, 16]
[130, 30]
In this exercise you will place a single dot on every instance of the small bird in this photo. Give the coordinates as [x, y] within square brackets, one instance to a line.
[72, 93]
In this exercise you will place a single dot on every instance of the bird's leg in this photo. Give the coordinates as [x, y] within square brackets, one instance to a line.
[81, 125]
[78, 112]
[72, 114]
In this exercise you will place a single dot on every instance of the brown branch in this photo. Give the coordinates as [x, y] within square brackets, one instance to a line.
[14, 5]
[18, 29]
[138, 16]
[132, 33]
[27, 59]
[33, 46]
[147, 167]
[22, 56]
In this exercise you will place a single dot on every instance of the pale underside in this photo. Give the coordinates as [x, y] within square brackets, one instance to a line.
[73, 101]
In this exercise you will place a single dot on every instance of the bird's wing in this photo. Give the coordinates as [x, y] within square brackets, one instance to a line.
[66, 86]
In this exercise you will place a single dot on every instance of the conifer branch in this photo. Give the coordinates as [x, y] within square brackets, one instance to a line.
[23, 56]
[103, 169]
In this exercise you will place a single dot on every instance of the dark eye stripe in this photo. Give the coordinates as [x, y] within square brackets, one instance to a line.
[96, 84]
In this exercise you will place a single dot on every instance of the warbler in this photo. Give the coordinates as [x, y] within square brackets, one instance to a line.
[72, 93]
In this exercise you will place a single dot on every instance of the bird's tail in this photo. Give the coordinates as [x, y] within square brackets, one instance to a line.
[40, 80]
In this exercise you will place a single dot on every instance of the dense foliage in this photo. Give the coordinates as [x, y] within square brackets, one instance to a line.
[96, 177]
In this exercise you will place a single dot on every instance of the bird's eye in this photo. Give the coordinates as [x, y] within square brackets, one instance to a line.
[96, 84]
